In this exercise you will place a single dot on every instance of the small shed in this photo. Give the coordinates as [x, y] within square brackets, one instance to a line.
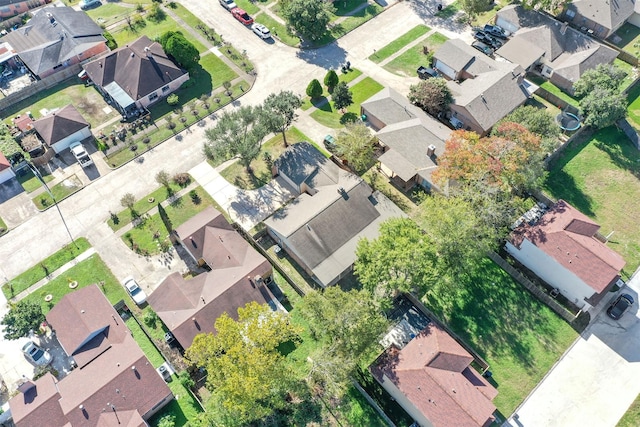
[60, 129]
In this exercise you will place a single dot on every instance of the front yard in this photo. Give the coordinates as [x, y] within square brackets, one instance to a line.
[408, 62]
[329, 116]
[599, 176]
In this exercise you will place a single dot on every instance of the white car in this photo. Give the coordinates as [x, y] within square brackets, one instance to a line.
[81, 155]
[86, 4]
[228, 4]
[262, 31]
[36, 355]
[137, 294]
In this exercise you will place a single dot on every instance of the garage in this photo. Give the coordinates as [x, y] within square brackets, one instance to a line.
[506, 25]
[62, 128]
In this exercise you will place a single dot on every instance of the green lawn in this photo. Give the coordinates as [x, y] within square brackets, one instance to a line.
[407, 63]
[109, 13]
[60, 191]
[600, 178]
[237, 175]
[150, 350]
[90, 271]
[519, 336]
[630, 39]
[46, 266]
[354, 21]
[633, 109]
[399, 43]
[142, 206]
[153, 30]
[347, 77]
[628, 69]
[29, 181]
[277, 29]
[184, 407]
[328, 116]
[86, 99]
[632, 417]
[3, 227]
[550, 87]
[449, 11]
[380, 182]
[178, 212]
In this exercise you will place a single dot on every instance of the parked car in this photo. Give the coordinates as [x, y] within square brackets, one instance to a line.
[81, 155]
[482, 48]
[488, 39]
[242, 16]
[137, 294]
[426, 73]
[36, 355]
[86, 4]
[260, 30]
[228, 4]
[496, 31]
[620, 306]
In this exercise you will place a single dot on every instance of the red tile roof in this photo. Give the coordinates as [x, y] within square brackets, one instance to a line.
[433, 372]
[567, 235]
[4, 163]
[120, 374]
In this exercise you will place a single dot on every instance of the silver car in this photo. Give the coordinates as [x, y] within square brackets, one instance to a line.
[36, 355]
[228, 4]
[137, 294]
[261, 31]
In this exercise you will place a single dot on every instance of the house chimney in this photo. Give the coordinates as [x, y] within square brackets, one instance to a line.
[431, 150]
[563, 29]
[147, 50]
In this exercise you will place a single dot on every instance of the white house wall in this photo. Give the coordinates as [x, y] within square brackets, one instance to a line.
[634, 19]
[549, 270]
[173, 86]
[63, 144]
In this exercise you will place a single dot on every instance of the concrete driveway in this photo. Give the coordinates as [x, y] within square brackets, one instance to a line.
[595, 381]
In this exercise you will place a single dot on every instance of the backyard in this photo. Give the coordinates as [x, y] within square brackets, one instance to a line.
[329, 116]
[408, 62]
[599, 176]
[629, 36]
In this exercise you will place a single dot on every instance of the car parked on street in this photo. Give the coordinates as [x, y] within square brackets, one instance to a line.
[86, 4]
[487, 50]
[261, 30]
[137, 294]
[242, 16]
[620, 306]
[36, 355]
[228, 4]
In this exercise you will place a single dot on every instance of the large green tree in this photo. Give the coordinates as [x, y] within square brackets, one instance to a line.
[357, 145]
[475, 7]
[401, 258]
[342, 96]
[602, 107]
[280, 111]
[247, 375]
[537, 121]
[237, 133]
[182, 50]
[432, 95]
[309, 18]
[604, 76]
[22, 317]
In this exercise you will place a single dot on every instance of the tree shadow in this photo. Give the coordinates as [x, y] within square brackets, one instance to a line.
[617, 146]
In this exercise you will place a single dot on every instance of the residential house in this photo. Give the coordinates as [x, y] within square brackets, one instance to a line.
[6, 171]
[136, 75]
[560, 53]
[56, 38]
[602, 17]
[563, 250]
[412, 140]
[484, 90]
[334, 209]
[9, 8]
[62, 128]
[114, 382]
[431, 378]
[238, 275]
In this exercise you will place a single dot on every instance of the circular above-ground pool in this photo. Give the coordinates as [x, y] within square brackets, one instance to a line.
[568, 121]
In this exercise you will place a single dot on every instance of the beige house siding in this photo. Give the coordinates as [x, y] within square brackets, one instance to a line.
[173, 86]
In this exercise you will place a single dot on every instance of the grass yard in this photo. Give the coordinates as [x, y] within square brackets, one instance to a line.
[150, 350]
[550, 87]
[632, 417]
[46, 266]
[380, 182]
[599, 177]
[519, 336]
[628, 69]
[633, 109]
[539, 102]
[407, 63]
[109, 13]
[237, 175]
[184, 407]
[352, 22]
[86, 99]
[450, 10]
[179, 211]
[29, 181]
[3, 227]
[487, 16]
[347, 77]
[90, 271]
[278, 30]
[328, 116]
[60, 191]
[399, 43]
[630, 39]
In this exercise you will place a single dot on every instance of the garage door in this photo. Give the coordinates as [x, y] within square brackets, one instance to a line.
[506, 25]
[445, 69]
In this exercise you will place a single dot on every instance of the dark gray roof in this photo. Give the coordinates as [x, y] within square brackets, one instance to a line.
[60, 124]
[303, 163]
[461, 56]
[521, 52]
[389, 107]
[53, 36]
[139, 68]
[608, 13]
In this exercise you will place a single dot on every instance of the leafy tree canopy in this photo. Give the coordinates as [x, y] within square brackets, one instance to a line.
[432, 95]
[603, 108]
[356, 145]
[22, 317]
[604, 76]
[342, 96]
[182, 50]
[309, 18]
[280, 111]
[331, 79]
[314, 89]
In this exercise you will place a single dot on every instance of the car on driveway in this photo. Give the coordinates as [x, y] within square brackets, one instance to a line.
[137, 294]
[620, 306]
[36, 355]
[496, 31]
[81, 155]
[487, 39]
[228, 4]
[425, 72]
[86, 4]
[487, 50]
[242, 16]
[260, 30]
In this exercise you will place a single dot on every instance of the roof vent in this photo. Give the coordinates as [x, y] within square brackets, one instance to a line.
[133, 54]
[82, 311]
[431, 150]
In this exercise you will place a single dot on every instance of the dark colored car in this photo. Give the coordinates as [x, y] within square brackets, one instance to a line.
[426, 73]
[487, 39]
[620, 306]
[496, 31]
[487, 50]
[242, 16]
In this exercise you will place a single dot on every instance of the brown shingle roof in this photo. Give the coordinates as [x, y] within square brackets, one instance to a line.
[109, 377]
[567, 235]
[433, 372]
[59, 125]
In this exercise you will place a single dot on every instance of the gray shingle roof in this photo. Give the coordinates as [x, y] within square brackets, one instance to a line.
[53, 36]
[139, 68]
[608, 13]
[460, 56]
[389, 107]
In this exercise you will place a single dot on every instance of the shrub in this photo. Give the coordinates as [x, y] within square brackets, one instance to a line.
[168, 420]
[182, 179]
[111, 42]
[173, 99]
[150, 318]
[331, 80]
[163, 178]
[314, 90]
[156, 14]
[186, 380]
